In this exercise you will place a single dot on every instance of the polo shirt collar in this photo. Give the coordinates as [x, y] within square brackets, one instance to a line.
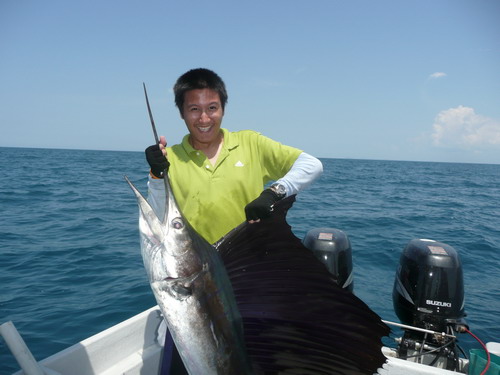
[230, 141]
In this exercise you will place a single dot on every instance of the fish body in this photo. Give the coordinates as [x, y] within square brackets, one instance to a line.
[193, 291]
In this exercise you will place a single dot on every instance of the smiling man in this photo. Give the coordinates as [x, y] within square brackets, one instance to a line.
[218, 176]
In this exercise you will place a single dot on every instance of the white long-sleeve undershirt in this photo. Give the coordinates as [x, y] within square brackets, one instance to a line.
[304, 171]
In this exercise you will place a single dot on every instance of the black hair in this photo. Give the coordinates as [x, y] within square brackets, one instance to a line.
[200, 78]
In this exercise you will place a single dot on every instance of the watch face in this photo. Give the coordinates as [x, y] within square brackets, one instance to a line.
[279, 189]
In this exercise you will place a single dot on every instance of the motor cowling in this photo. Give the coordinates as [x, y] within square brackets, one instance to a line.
[333, 248]
[428, 289]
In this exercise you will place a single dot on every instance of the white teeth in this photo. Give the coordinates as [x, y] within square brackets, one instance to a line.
[204, 130]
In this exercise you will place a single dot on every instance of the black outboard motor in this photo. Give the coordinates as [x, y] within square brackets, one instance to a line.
[428, 293]
[333, 248]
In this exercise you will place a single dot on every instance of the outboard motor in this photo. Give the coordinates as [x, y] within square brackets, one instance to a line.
[333, 248]
[428, 293]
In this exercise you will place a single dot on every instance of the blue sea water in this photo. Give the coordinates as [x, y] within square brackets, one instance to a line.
[70, 263]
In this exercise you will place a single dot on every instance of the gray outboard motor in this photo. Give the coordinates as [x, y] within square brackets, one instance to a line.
[333, 248]
[428, 293]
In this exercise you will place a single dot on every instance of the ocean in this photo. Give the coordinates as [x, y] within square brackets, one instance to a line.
[70, 262]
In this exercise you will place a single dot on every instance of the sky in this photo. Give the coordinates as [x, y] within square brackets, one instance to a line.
[387, 79]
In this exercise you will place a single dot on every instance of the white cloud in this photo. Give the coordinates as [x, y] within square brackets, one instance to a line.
[462, 127]
[437, 75]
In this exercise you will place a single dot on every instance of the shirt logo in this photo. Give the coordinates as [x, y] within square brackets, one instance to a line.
[239, 164]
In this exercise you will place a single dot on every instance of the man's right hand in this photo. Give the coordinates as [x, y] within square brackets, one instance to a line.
[156, 157]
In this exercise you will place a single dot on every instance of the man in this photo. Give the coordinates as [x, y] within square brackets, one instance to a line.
[218, 176]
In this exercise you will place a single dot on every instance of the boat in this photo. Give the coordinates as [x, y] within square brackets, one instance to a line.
[428, 298]
[135, 346]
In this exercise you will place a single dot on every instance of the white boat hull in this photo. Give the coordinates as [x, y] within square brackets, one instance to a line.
[132, 348]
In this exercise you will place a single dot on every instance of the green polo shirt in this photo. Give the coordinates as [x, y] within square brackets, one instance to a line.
[213, 197]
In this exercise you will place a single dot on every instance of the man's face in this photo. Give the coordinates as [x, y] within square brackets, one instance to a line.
[202, 112]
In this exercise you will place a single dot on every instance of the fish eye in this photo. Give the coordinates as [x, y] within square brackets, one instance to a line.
[177, 223]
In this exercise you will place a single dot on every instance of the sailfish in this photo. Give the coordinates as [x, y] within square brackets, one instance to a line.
[255, 302]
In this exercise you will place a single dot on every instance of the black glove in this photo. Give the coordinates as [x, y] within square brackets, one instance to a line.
[156, 160]
[260, 208]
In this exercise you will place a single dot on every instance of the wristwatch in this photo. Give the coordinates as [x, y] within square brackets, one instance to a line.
[279, 190]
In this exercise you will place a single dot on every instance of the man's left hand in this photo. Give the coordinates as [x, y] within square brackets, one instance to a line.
[261, 207]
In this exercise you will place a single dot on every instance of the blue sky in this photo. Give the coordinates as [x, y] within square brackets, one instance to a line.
[397, 80]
